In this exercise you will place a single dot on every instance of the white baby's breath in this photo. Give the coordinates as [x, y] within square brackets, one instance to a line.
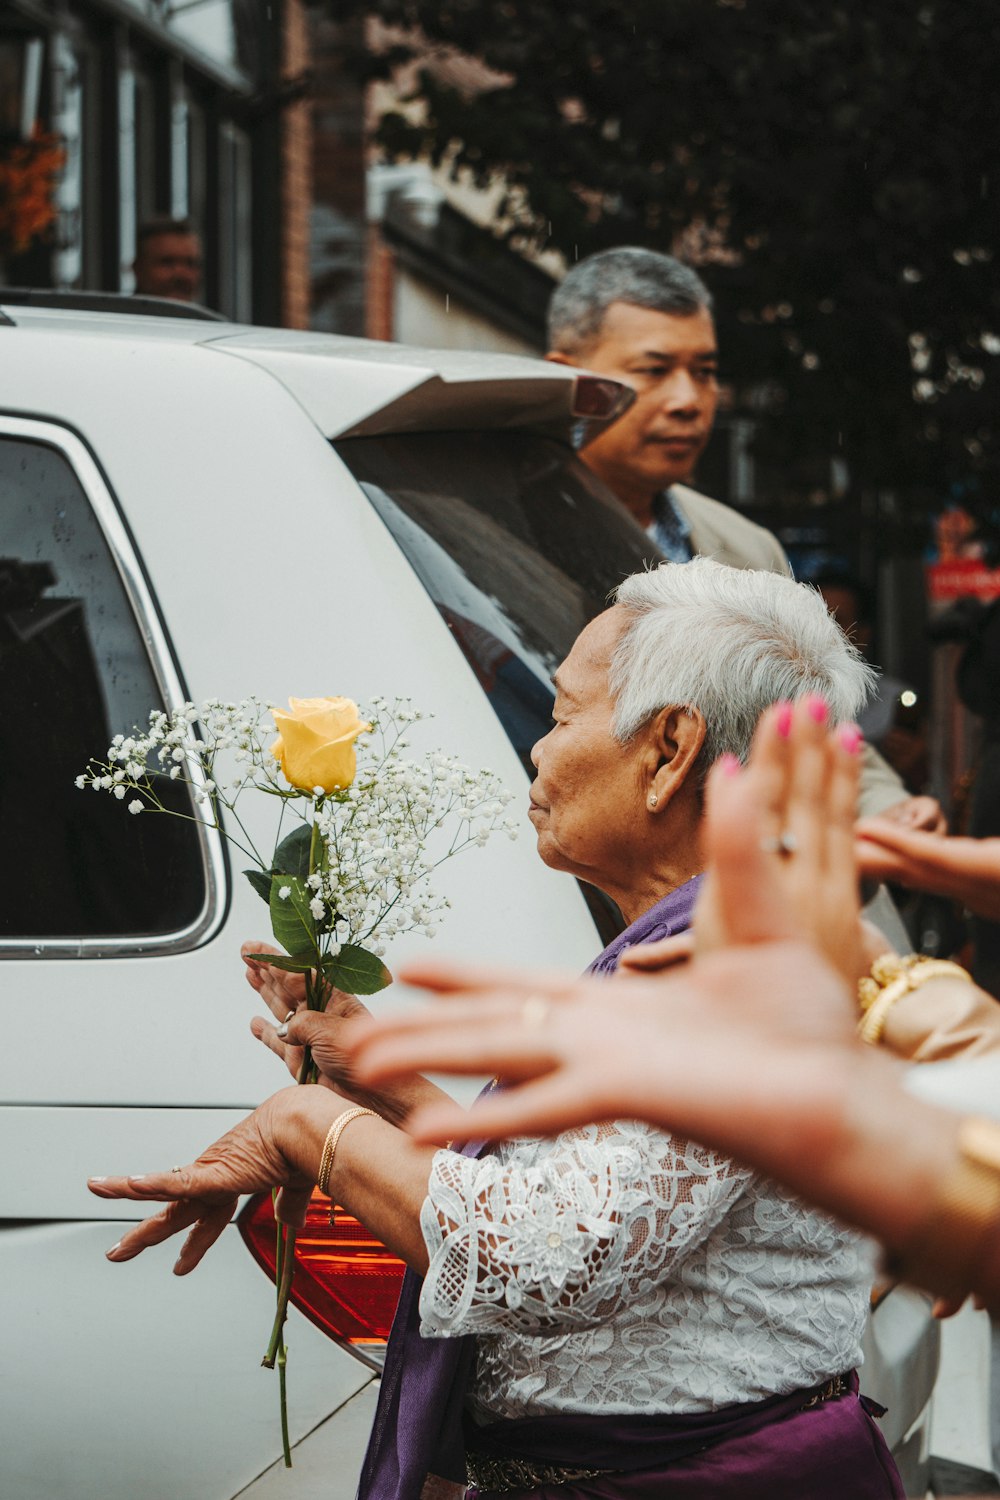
[380, 840]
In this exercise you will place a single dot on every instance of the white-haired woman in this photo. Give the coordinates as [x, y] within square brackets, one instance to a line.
[616, 1312]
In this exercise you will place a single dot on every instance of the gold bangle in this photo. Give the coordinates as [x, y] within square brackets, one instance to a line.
[946, 1251]
[332, 1137]
[893, 977]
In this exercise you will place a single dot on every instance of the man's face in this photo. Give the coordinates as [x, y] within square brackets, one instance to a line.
[169, 265]
[672, 364]
[587, 788]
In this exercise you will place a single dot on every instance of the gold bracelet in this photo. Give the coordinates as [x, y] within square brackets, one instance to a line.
[946, 1251]
[333, 1136]
[893, 977]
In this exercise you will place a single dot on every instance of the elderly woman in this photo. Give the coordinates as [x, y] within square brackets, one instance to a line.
[620, 1311]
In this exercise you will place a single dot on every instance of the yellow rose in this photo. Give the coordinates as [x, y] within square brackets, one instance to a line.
[315, 744]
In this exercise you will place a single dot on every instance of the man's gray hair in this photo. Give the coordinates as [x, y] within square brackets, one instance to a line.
[644, 278]
[729, 642]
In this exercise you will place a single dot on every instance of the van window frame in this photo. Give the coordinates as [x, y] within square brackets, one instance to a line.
[166, 675]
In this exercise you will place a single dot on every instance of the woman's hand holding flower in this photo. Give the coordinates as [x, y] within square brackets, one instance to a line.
[284, 994]
[323, 1033]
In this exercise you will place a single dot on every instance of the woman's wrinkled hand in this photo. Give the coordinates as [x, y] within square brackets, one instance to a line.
[255, 1156]
[284, 994]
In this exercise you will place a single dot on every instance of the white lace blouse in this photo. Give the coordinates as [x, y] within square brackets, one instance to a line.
[617, 1269]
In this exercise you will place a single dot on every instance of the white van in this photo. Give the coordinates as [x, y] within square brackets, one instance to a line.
[195, 509]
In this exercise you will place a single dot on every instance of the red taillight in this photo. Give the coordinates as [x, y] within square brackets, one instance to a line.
[346, 1281]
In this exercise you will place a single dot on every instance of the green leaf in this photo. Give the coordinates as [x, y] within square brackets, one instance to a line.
[356, 971]
[292, 855]
[295, 963]
[261, 882]
[291, 920]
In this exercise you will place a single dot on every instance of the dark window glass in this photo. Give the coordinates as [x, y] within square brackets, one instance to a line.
[74, 672]
[517, 545]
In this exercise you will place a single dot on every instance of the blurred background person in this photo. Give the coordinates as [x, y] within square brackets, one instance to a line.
[169, 260]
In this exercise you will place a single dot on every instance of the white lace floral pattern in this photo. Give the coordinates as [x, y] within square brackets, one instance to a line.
[620, 1269]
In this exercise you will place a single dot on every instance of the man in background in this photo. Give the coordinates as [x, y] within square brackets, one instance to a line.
[646, 319]
[168, 260]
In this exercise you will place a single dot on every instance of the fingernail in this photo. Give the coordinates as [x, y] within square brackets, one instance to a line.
[730, 764]
[281, 1030]
[97, 1179]
[849, 736]
[783, 720]
[114, 1250]
[817, 708]
[138, 1177]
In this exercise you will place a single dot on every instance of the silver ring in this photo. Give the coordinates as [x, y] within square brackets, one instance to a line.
[783, 844]
[535, 1012]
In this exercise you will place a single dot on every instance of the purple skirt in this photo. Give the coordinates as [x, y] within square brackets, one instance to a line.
[773, 1450]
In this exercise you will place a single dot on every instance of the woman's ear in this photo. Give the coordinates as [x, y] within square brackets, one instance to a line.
[676, 737]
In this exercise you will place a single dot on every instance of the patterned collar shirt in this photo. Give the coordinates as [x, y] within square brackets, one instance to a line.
[670, 529]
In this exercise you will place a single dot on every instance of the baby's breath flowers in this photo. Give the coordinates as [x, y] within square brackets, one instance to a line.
[353, 857]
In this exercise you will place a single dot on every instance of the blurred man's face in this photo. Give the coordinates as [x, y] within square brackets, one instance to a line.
[169, 265]
[672, 364]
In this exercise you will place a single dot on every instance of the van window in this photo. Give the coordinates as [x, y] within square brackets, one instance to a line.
[74, 672]
[516, 543]
[519, 547]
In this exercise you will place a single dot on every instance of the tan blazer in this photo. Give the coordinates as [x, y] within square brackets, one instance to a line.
[723, 533]
[718, 531]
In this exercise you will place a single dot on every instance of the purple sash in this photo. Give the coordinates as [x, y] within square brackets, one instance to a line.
[418, 1427]
[783, 1448]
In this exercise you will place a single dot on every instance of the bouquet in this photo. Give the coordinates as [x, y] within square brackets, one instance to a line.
[359, 830]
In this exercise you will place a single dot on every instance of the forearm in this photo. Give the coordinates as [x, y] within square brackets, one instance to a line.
[943, 1019]
[378, 1173]
[397, 1101]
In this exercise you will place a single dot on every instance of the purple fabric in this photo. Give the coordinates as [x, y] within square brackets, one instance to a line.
[665, 919]
[771, 1450]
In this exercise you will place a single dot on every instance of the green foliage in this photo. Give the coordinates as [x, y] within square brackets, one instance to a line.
[356, 971]
[290, 858]
[261, 882]
[292, 922]
[843, 158]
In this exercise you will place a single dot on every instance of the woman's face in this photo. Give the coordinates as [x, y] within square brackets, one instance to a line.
[588, 797]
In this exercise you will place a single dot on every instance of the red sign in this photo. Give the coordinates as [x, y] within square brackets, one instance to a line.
[960, 577]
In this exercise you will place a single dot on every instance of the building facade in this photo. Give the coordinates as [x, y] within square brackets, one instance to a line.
[186, 108]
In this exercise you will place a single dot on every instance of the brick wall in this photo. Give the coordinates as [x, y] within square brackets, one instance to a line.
[296, 173]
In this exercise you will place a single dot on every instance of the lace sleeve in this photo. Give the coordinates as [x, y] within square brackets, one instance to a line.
[552, 1236]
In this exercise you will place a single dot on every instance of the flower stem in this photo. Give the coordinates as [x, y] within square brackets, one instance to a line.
[286, 1446]
[276, 1351]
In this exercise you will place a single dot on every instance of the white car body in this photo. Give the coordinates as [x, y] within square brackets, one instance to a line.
[257, 566]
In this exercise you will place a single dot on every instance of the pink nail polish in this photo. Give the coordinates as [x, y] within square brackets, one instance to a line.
[817, 708]
[783, 720]
[850, 737]
[730, 764]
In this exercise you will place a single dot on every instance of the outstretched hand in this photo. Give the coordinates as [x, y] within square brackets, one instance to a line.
[967, 870]
[779, 840]
[202, 1196]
